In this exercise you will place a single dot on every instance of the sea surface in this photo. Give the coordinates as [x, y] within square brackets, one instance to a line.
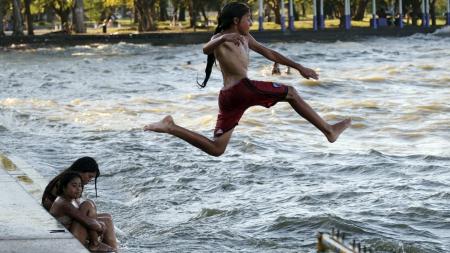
[385, 182]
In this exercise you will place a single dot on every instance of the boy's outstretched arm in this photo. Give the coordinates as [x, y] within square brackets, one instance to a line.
[277, 57]
[220, 38]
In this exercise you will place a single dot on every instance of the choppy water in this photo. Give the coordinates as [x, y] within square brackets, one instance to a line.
[386, 180]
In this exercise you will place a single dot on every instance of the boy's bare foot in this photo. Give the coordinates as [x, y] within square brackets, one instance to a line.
[337, 129]
[162, 126]
[101, 247]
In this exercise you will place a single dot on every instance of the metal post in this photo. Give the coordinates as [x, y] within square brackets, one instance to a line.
[291, 15]
[374, 14]
[282, 17]
[314, 15]
[261, 16]
[400, 10]
[321, 17]
[427, 20]
[347, 15]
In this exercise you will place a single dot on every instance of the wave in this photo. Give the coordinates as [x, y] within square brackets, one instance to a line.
[373, 79]
[210, 212]
[442, 31]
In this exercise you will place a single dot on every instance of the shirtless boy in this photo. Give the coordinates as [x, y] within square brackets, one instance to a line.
[230, 45]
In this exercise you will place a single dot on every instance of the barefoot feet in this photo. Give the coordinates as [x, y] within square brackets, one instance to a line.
[337, 129]
[100, 247]
[162, 126]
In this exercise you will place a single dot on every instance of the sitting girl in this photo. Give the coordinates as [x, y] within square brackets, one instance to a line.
[76, 217]
[88, 169]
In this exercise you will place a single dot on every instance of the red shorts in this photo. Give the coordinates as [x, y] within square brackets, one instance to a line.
[234, 101]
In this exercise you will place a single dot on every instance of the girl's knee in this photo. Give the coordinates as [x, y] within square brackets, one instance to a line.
[88, 205]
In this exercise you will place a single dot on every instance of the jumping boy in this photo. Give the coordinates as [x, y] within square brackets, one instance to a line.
[230, 44]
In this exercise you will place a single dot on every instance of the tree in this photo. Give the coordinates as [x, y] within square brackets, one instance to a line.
[163, 15]
[176, 6]
[433, 12]
[145, 10]
[62, 8]
[4, 5]
[78, 17]
[416, 11]
[360, 10]
[29, 17]
[18, 22]
[275, 6]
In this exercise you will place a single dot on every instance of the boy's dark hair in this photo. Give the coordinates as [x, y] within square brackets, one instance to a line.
[65, 179]
[224, 21]
[81, 165]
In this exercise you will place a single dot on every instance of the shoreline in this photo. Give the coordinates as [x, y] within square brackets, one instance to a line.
[177, 38]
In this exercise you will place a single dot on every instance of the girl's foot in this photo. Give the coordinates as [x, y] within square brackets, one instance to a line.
[100, 247]
[162, 126]
[337, 129]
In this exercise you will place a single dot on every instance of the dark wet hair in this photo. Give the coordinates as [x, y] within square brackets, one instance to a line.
[81, 165]
[65, 179]
[224, 21]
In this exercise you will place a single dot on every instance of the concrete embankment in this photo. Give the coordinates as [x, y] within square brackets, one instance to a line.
[169, 38]
[25, 226]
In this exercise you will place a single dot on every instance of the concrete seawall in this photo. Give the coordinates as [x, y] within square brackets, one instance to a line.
[161, 38]
[25, 226]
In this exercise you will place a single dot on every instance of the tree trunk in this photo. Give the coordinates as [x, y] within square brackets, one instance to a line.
[433, 12]
[145, 14]
[163, 15]
[202, 9]
[192, 14]
[78, 17]
[416, 11]
[62, 9]
[18, 22]
[3, 9]
[361, 10]
[295, 11]
[275, 6]
[30, 29]
[303, 8]
[175, 5]
[340, 10]
[182, 15]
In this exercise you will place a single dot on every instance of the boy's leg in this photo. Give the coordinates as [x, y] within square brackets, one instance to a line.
[214, 147]
[332, 132]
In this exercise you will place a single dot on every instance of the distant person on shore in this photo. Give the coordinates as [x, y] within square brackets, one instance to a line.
[230, 44]
[69, 212]
[88, 169]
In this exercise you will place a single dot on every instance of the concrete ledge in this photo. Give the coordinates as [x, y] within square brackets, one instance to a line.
[25, 226]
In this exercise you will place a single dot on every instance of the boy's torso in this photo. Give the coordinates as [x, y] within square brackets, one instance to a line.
[233, 60]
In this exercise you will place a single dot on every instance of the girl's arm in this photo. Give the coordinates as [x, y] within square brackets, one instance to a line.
[277, 57]
[74, 213]
[220, 38]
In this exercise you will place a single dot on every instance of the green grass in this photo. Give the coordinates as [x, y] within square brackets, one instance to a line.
[127, 26]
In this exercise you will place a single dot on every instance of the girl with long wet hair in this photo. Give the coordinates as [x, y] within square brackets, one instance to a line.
[79, 218]
[88, 170]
